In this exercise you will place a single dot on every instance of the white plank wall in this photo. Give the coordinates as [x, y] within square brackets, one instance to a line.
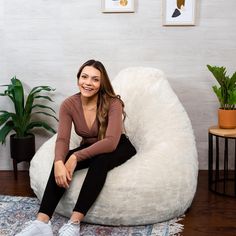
[44, 42]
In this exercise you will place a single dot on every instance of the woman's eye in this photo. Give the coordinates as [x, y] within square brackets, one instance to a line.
[83, 76]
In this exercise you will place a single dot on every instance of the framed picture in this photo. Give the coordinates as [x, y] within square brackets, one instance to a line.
[117, 5]
[178, 12]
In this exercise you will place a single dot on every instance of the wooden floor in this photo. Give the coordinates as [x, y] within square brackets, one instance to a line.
[209, 215]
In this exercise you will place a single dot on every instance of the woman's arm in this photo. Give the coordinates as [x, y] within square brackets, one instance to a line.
[64, 132]
[62, 175]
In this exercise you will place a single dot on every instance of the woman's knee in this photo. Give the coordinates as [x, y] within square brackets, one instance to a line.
[130, 147]
[132, 150]
[101, 162]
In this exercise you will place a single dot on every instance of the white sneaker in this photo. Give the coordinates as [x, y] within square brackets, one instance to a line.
[70, 229]
[36, 228]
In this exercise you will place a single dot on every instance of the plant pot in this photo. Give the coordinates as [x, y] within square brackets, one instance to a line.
[22, 149]
[227, 119]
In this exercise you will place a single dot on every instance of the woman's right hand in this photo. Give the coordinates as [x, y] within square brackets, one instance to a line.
[61, 174]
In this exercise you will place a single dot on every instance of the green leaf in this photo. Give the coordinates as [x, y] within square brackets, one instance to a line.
[232, 98]
[7, 93]
[40, 124]
[38, 89]
[47, 114]
[4, 117]
[44, 97]
[29, 104]
[21, 118]
[218, 72]
[225, 92]
[18, 95]
[233, 81]
[43, 106]
[5, 130]
[217, 92]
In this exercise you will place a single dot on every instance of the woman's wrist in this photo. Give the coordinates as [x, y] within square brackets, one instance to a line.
[58, 162]
[74, 157]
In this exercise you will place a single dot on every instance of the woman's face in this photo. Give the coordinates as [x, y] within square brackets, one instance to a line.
[89, 81]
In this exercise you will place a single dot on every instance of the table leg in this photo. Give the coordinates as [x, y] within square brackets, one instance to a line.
[235, 167]
[210, 159]
[217, 171]
[225, 164]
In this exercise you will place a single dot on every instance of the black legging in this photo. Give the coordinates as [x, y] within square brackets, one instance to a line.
[98, 167]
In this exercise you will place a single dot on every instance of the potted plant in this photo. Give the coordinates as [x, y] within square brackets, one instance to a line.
[23, 120]
[226, 94]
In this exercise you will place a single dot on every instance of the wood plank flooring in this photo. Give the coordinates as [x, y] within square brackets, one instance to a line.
[209, 215]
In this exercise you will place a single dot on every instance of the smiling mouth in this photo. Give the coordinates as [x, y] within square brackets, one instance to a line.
[87, 89]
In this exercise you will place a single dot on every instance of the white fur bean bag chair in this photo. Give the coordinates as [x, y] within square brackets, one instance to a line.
[159, 182]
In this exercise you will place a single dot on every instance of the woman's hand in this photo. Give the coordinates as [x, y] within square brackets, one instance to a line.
[70, 165]
[61, 174]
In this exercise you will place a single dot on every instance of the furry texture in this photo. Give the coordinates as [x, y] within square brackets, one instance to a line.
[159, 182]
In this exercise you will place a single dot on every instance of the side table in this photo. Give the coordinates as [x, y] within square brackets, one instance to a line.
[221, 175]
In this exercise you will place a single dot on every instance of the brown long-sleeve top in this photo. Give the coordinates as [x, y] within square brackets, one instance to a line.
[71, 110]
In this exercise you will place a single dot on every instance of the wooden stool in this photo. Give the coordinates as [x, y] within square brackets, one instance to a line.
[221, 178]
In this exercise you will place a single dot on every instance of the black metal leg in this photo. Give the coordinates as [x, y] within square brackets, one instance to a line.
[225, 164]
[210, 159]
[221, 179]
[217, 169]
[235, 167]
[217, 163]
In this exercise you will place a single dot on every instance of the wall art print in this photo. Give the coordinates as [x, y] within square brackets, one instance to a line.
[117, 6]
[178, 12]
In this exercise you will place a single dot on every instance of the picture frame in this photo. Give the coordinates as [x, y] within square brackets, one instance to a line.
[111, 6]
[178, 12]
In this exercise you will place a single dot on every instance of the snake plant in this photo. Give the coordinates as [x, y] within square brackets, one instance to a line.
[226, 92]
[22, 120]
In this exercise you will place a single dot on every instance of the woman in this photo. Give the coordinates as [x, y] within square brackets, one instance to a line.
[96, 113]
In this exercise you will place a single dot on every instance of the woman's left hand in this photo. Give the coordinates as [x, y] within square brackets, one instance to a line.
[70, 165]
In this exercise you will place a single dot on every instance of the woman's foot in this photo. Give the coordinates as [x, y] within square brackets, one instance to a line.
[35, 228]
[72, 228]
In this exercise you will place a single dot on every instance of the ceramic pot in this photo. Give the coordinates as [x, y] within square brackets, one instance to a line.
[22, 149]
[227, 119]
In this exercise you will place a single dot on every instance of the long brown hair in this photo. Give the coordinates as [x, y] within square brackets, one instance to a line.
[105, 93]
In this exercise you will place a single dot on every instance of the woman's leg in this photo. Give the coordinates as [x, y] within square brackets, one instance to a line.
[97, 172]
[53, 192]
[52, 195]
